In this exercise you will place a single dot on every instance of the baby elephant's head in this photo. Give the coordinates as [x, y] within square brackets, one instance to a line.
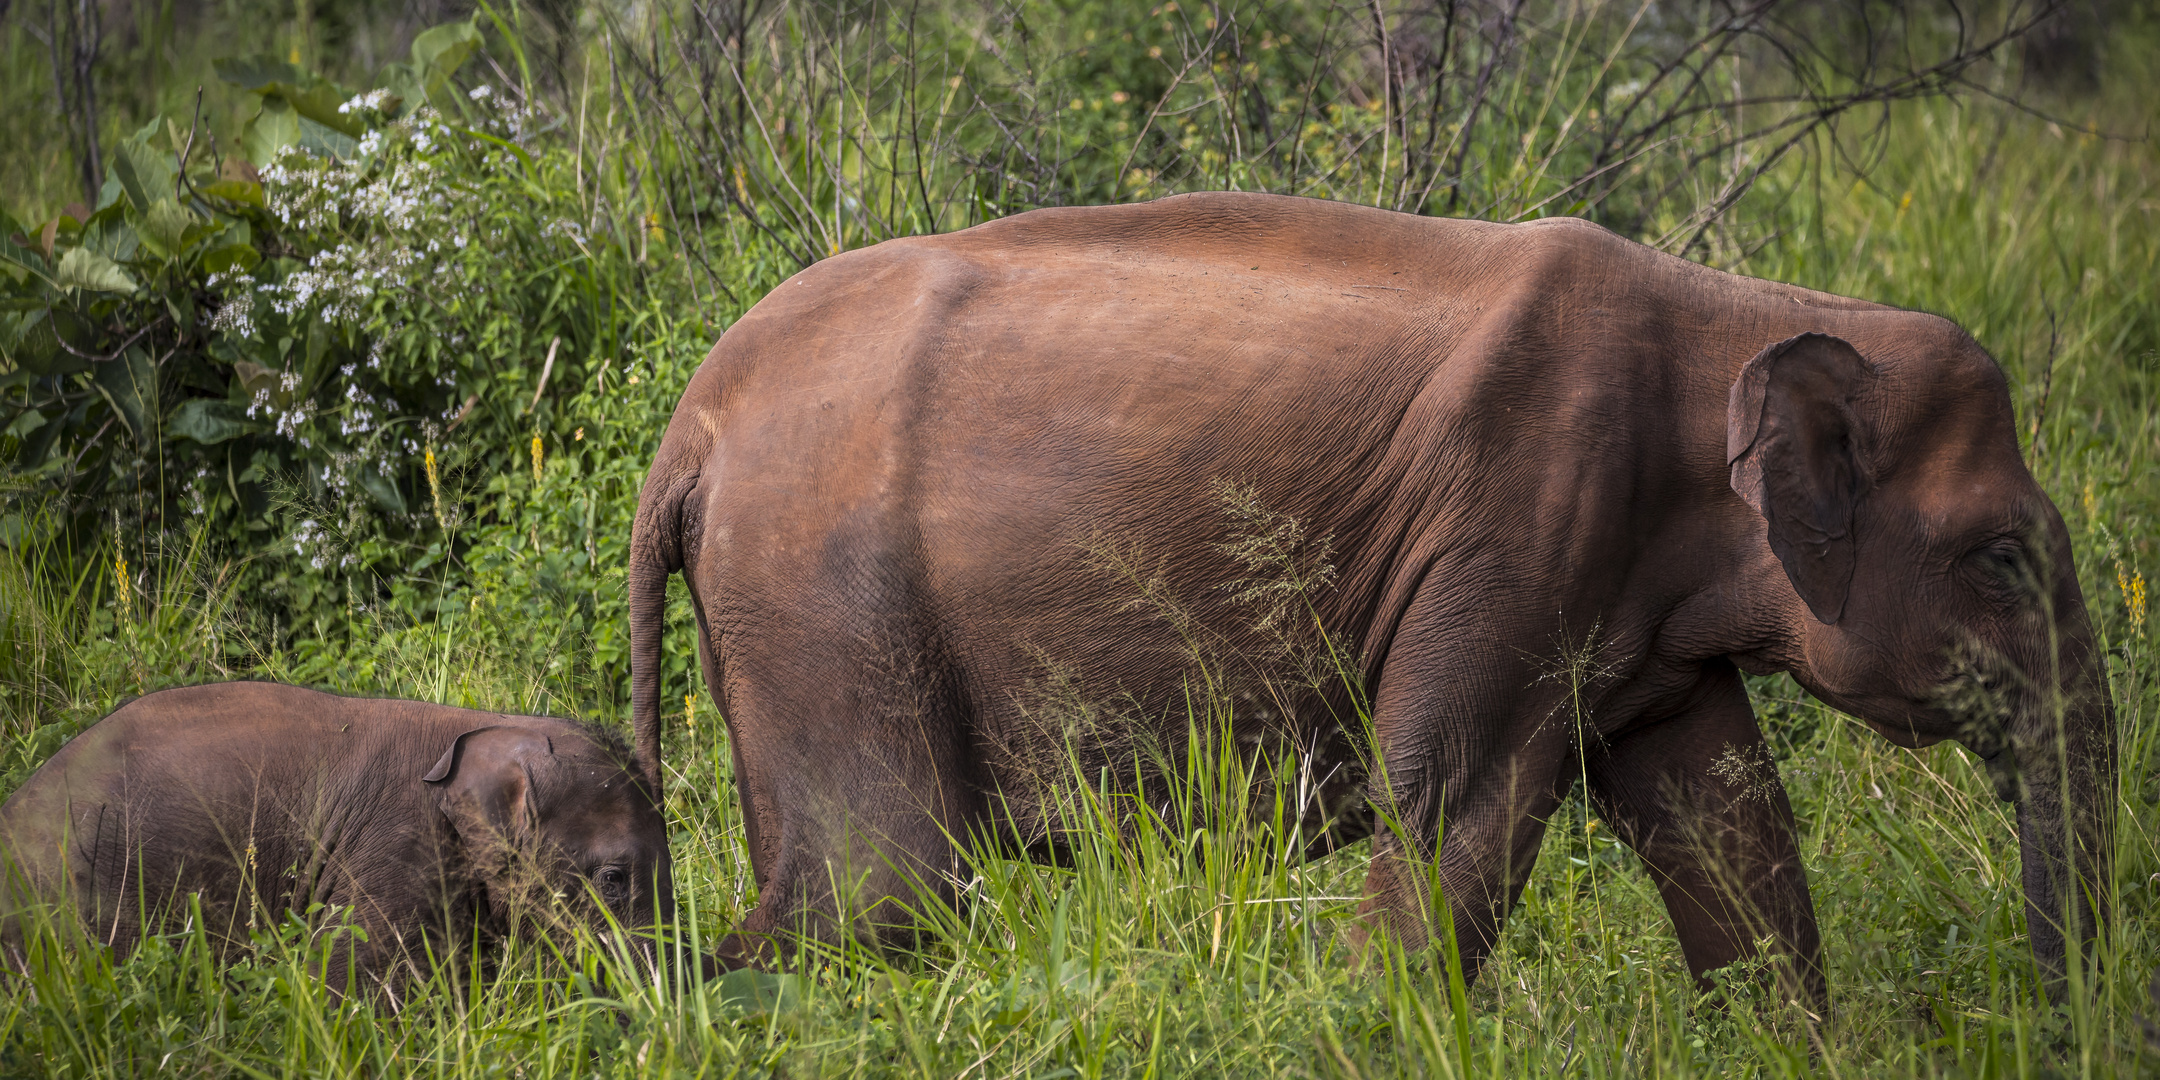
[552, 820]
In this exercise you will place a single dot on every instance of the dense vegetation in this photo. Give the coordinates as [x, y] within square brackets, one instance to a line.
[346, 369]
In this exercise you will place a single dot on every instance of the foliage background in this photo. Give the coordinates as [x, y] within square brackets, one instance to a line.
[357, 391]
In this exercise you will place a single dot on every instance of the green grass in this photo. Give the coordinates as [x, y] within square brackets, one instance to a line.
[1154, 954]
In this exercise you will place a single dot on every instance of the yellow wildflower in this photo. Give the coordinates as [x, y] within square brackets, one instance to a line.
[124, 592]
[689, 711]
[2088, 498]
[539, 454]
[434, 486]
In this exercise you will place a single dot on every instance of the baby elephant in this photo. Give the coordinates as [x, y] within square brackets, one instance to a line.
[427, 824]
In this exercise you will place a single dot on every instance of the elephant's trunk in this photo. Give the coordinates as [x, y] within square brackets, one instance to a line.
[2064, 741]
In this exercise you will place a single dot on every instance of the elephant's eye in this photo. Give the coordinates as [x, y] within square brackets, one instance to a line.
[611, 880]
[2005, 570]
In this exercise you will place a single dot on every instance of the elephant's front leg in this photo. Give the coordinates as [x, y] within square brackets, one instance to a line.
[1697, 795]
[1478, 792]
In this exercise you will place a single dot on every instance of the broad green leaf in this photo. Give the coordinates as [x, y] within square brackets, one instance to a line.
[255, 381]
[144, 172]
[238, 191]
[130, 384]
[273, 128]
[436, 56]
[315, 138]
[209, 421]
[39, 444]
[439, 52]
[37, 349]
[309, 95]
[83, 268]
[28, 258]
[402, 83]
[28, 421]
[166, 226]
[319, 101]
[230, 257]
[385, 493]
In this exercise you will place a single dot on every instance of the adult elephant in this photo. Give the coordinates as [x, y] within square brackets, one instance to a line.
[885, 484]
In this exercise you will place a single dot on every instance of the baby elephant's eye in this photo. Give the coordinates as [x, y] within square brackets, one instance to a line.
[611, 879]
[2006, 570]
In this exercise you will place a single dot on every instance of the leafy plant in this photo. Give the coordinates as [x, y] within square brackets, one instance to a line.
[272, 347]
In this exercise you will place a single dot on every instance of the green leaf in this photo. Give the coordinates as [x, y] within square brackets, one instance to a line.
[285, 88]
[319, 101]
[385, 493]
[209, 421]
[256, 380]
[165, 227]
[440, 51]
[83, 268]
[237, 191]
[273, 128]
[230, 257]
[130, 384]
[37, 349]
[30, 420]
[326, 141]
[27, 257]
[146, 174]
[436, 56]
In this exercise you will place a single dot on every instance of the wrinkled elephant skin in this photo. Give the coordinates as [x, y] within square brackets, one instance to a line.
[889, 485]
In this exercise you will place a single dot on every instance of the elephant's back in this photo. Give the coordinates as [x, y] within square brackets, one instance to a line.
[968, 419]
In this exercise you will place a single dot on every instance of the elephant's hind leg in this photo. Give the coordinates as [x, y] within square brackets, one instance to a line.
[1697, 795]
[855, 784]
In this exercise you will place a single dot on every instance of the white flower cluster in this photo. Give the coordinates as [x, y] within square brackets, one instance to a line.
[509, 118]
[321, 547]
[338, 282]
[565, 228]
[198, 499]
[370, 101]
[235, 316]
[360, 414]
[317, 196]
[289, 420]
[308, 542]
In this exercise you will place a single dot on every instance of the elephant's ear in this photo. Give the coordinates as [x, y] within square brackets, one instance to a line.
[1798, 453]
[485, 778]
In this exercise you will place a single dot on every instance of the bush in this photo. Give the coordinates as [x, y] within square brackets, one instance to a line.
[330, 359]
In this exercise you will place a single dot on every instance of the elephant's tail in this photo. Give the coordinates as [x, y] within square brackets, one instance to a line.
[656, 551]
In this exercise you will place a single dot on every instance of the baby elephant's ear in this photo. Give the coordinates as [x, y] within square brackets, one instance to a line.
[1797, 447]
[485, 779]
